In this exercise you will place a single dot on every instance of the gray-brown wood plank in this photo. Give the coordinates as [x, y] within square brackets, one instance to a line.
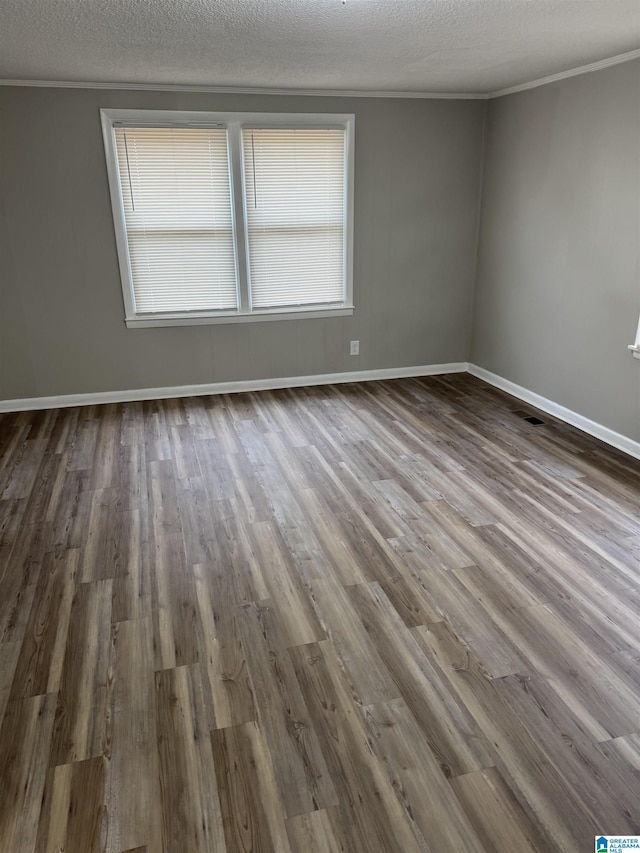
[387, 617]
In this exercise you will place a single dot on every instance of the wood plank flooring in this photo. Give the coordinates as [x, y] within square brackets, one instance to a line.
[392, 617]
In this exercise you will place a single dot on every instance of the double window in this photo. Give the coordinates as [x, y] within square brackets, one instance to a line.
[231, 217]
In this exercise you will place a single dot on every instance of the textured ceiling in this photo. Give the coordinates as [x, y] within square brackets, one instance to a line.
[390, 45]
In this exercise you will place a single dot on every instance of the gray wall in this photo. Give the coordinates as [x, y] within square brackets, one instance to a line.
[417, 171]
[558, 286]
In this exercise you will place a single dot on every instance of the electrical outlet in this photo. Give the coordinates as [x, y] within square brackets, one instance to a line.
[355, 348]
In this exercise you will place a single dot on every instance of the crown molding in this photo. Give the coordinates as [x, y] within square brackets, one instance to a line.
[330, 93]
[243, 90]
[571, 72]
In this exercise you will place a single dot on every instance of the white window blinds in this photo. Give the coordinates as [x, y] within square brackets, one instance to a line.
[177, 210]
[294, 185]
[225, 217]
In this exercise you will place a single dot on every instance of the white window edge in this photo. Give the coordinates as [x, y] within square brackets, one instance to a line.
[142, 322]
[233, 121]
[635, 348]
[115, 192]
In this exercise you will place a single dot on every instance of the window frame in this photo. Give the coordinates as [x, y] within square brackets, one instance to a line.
[635, 347]
[234, 122]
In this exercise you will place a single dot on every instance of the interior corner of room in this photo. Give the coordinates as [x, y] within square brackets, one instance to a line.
[500, 233]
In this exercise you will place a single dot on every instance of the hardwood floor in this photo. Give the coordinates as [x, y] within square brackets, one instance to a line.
[385, 618]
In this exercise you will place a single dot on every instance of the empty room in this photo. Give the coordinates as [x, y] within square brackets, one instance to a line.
[319, 426]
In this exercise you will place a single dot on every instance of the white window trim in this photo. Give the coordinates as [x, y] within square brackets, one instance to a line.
[234, 122]
[635, 348]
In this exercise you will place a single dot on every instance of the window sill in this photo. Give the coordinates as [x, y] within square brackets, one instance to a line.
[156, 320]
[635, 350]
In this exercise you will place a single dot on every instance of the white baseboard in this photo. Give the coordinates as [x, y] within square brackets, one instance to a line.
[90, 399]
[609, 436]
